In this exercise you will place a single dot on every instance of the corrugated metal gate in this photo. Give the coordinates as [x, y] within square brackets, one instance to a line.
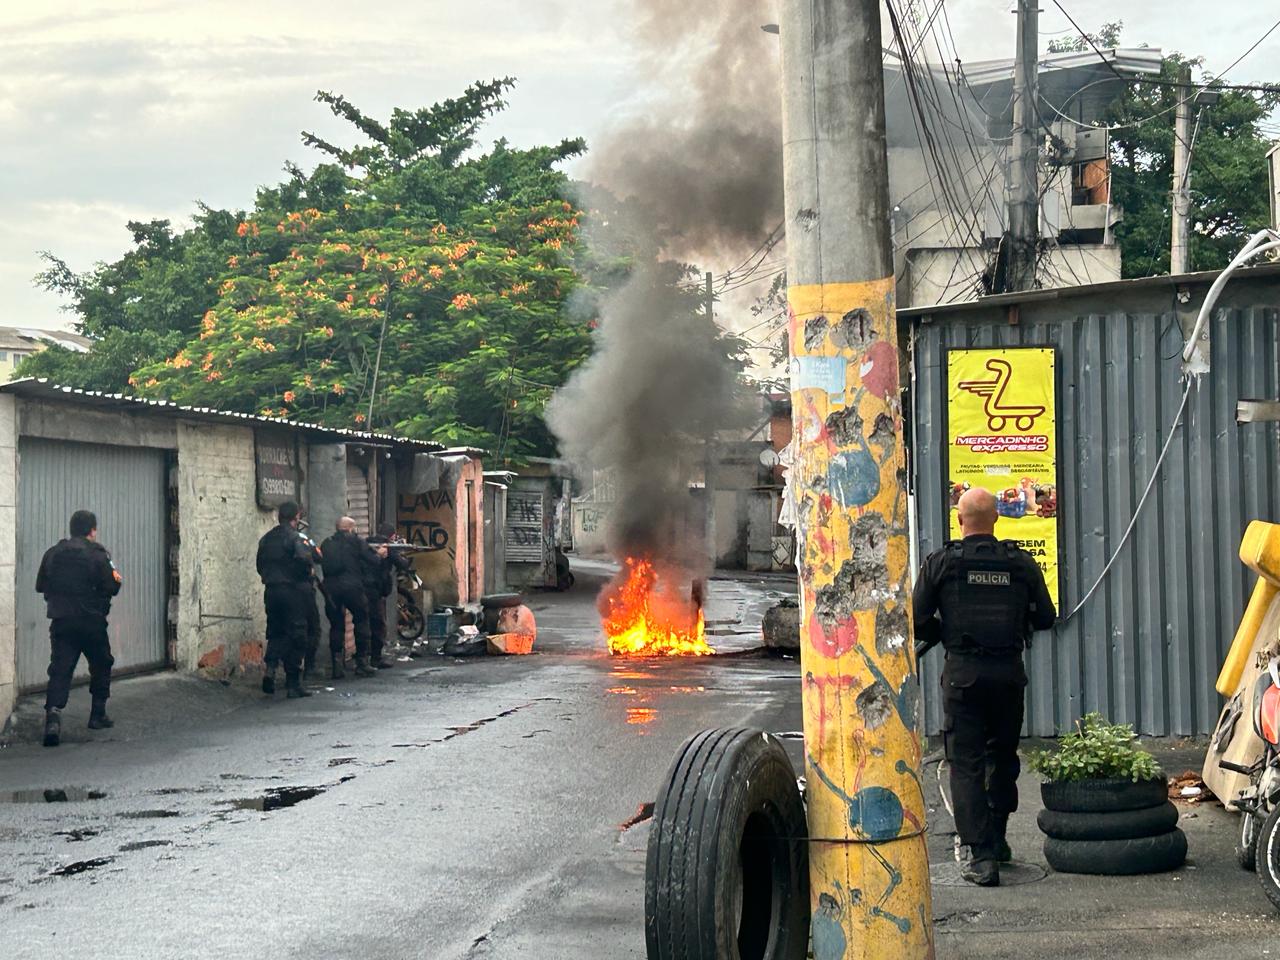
[1147, 648]
[125, 487]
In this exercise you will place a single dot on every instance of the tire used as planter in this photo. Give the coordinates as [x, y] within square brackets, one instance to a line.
[727, 870]
[496, 601]
[1103, 796]
[1115, 825]
[1118, 858]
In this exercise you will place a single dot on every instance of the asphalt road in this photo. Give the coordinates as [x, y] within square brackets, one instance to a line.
[476, 809]
[463, 809]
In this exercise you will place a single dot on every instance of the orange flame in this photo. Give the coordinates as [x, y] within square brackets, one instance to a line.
[642, 617]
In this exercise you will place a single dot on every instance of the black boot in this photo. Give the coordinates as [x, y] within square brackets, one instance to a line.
[269, 681]
[363, 669]
[982, 873]
[338, 672]
[52, 727]
[294, 687]
[98, 719]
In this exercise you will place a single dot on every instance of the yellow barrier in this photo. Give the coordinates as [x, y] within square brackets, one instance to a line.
[1260, 552]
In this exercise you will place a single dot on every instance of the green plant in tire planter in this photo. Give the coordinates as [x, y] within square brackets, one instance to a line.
[1098, 750]
[1106, 802]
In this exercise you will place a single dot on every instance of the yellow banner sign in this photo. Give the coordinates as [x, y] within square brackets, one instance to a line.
[1002, 435]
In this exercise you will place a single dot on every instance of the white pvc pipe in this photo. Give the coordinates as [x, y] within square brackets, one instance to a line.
[1253, 248]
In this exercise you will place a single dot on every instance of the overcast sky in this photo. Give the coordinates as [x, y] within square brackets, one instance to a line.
[116, 110]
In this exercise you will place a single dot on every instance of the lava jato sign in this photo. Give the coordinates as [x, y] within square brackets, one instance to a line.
[1002, 435]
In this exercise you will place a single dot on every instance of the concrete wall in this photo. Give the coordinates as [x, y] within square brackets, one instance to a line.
[590, 525]
[8, 556]
[221, 621]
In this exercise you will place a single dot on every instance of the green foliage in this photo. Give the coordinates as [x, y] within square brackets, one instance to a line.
[448, 271]
[1105, 38]
[1096, 751]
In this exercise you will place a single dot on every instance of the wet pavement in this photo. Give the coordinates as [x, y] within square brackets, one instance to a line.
[491, 807]
[485, 808]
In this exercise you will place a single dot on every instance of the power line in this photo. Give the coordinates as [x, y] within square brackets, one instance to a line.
[1257, 43]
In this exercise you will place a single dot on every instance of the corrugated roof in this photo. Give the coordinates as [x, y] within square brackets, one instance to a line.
[1204, 277]
[33, 388]
[1137, 61]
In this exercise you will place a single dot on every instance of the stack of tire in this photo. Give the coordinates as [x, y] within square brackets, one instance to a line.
[1111, 827]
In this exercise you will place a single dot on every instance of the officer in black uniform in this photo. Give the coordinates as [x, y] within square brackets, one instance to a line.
[380, 585]
[348, 565]
[982, 598]
[78, 581]
[309, 605]
[284, 564]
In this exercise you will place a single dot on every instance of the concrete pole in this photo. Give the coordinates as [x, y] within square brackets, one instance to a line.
[869, 868]
[1020, 170]
[1180, 245]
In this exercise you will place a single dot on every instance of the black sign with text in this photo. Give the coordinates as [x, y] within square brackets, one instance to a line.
[279, 477]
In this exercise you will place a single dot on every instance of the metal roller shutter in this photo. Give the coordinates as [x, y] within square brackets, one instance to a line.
[125, 487]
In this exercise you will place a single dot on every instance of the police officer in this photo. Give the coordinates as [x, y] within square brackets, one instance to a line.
[380, 584]
[284, 564]
[348, 562]
[78, 581]
[981, 598]
[309, 605]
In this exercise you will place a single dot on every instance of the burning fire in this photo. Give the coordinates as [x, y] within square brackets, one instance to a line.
[645, 616]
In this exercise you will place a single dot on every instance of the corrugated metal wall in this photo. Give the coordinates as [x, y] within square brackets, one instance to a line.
[1148, 646]
[125, 487]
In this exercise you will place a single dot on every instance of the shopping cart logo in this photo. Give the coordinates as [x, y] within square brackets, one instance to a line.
[1000, 414]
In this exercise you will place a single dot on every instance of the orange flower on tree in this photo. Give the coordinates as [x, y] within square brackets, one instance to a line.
[182, 361]
[339, 389]
[464, 301]
[359, 418]
[436, 271]
[289, 396]
[213, 375]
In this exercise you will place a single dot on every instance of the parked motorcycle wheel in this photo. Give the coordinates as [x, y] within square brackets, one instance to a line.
[410, 623]
[1267, 851]
[1247, 849]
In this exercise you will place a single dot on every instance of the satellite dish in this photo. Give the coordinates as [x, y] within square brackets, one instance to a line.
[769, 457]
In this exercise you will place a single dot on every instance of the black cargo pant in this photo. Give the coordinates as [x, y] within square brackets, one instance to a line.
[982, 701]
[312, 612]
[343, 598]
[377, 622]
[286, 627]
[69, 638]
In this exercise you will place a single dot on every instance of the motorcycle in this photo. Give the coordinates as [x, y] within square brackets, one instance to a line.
[411, 622]
[1259, 803]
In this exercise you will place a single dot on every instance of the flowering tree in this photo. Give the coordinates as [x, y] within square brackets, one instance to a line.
[408, 285]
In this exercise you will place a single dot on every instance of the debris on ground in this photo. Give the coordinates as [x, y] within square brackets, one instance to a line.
[1189, 787]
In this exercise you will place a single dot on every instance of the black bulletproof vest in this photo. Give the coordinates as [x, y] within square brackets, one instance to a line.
[985, 597]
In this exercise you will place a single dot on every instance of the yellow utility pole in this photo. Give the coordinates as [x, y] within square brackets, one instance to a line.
[869, 866]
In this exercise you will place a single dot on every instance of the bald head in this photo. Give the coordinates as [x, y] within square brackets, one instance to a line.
[978, 514]
[346, 524]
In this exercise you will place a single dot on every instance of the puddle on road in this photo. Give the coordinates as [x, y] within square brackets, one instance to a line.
[78, 834]
[144, 844]
[277, 798]
[51, 795]
[150, 814]
[81, 866]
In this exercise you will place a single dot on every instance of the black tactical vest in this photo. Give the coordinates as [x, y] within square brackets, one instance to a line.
[985, 598]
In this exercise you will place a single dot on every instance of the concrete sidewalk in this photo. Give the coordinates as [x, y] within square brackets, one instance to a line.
[1210, 909]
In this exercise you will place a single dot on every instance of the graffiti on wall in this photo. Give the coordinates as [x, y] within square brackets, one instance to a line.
[426, 519]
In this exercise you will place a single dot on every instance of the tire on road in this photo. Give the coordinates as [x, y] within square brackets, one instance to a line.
[496, 601]
[1103, 796]
[1268, 852]
[1247, 845]
[727, 870]
[1118, 858]
[1115, 825]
